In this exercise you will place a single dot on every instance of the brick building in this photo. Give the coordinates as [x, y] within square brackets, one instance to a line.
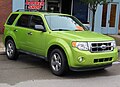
[5, 10]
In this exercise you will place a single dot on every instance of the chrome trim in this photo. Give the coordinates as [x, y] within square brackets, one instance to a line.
[96, 47]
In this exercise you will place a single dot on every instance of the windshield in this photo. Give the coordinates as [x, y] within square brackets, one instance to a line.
[62, 22]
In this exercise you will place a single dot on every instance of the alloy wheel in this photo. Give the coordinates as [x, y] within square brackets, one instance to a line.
[56, 62]
[10, 49]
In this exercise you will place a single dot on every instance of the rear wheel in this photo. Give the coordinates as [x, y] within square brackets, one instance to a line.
[11, 51]
[58, 62]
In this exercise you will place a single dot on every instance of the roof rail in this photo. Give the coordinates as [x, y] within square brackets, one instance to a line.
[31, 10]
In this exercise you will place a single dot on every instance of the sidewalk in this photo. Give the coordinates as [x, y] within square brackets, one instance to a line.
[117, 39]
[2, 49]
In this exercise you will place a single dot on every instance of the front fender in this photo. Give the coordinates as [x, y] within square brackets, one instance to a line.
[64, 45]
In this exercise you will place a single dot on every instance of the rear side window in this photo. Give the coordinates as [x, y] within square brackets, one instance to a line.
[12, 19]
[24, 21]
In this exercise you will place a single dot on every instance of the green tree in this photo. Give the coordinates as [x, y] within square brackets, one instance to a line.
[93, 4]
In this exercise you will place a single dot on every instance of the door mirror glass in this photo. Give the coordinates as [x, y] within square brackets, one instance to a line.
[39, 27]
[87, 26]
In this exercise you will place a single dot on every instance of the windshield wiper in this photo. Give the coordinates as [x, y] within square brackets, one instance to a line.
[78, 30]
[60, 30]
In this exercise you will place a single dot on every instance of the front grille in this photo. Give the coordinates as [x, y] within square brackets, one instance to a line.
[103, 60]
[101, 46]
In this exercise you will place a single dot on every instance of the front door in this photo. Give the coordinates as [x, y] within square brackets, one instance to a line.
[110, 18]
[36, 38]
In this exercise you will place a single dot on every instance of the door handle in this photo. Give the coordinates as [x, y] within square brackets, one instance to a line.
[15, 30]
[30, 33]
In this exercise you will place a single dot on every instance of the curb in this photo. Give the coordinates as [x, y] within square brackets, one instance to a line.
[2, 51]
[115, 63]
[118, 48]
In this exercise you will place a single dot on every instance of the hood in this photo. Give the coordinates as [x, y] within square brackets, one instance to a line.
[82, 36]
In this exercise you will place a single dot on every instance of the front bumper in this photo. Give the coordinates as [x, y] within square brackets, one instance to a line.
[90, 67]
[92, 60]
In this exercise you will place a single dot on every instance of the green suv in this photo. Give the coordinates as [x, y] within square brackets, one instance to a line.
[60, 39]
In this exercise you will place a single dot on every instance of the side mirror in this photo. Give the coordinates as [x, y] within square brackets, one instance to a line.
[87, 26]
[40, 28]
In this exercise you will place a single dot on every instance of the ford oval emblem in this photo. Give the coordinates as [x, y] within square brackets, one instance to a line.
[103, 47]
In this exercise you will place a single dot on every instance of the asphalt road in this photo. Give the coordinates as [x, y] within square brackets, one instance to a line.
[29, 71]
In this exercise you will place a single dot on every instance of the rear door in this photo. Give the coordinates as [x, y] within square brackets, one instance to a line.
[9, 25]
[21, 30]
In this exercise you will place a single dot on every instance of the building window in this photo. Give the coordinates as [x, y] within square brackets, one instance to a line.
[54, 5]
[104, 15]
[113, 15]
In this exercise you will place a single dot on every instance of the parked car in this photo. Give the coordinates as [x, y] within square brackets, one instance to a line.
[60, 39]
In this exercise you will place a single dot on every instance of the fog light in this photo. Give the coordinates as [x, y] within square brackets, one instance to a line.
[80, 59]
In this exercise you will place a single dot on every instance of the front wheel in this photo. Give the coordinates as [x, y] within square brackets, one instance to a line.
[58, 62]
[11, 51]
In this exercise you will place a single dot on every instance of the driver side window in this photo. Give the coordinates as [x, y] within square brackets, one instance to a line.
[36, 20]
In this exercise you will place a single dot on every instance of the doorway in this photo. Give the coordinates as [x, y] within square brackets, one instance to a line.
[66, 6]
[80, 11]
[110, 18]
[54, 5]
[60, 6]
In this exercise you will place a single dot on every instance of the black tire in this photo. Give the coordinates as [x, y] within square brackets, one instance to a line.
[58, 62]
[11, 51]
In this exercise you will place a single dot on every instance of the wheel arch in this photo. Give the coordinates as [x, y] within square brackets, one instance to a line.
[52, 48]
[10, 38]
[12, 55]
[65, 48]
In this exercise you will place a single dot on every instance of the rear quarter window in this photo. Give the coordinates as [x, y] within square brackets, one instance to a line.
[12, 19]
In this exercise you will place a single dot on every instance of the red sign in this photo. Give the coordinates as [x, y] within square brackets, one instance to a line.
[34, 4]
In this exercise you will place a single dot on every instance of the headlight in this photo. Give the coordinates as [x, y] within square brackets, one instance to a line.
[113, 43]
[80, 45]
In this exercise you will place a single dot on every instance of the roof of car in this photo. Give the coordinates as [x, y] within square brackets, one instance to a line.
[37, 13]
